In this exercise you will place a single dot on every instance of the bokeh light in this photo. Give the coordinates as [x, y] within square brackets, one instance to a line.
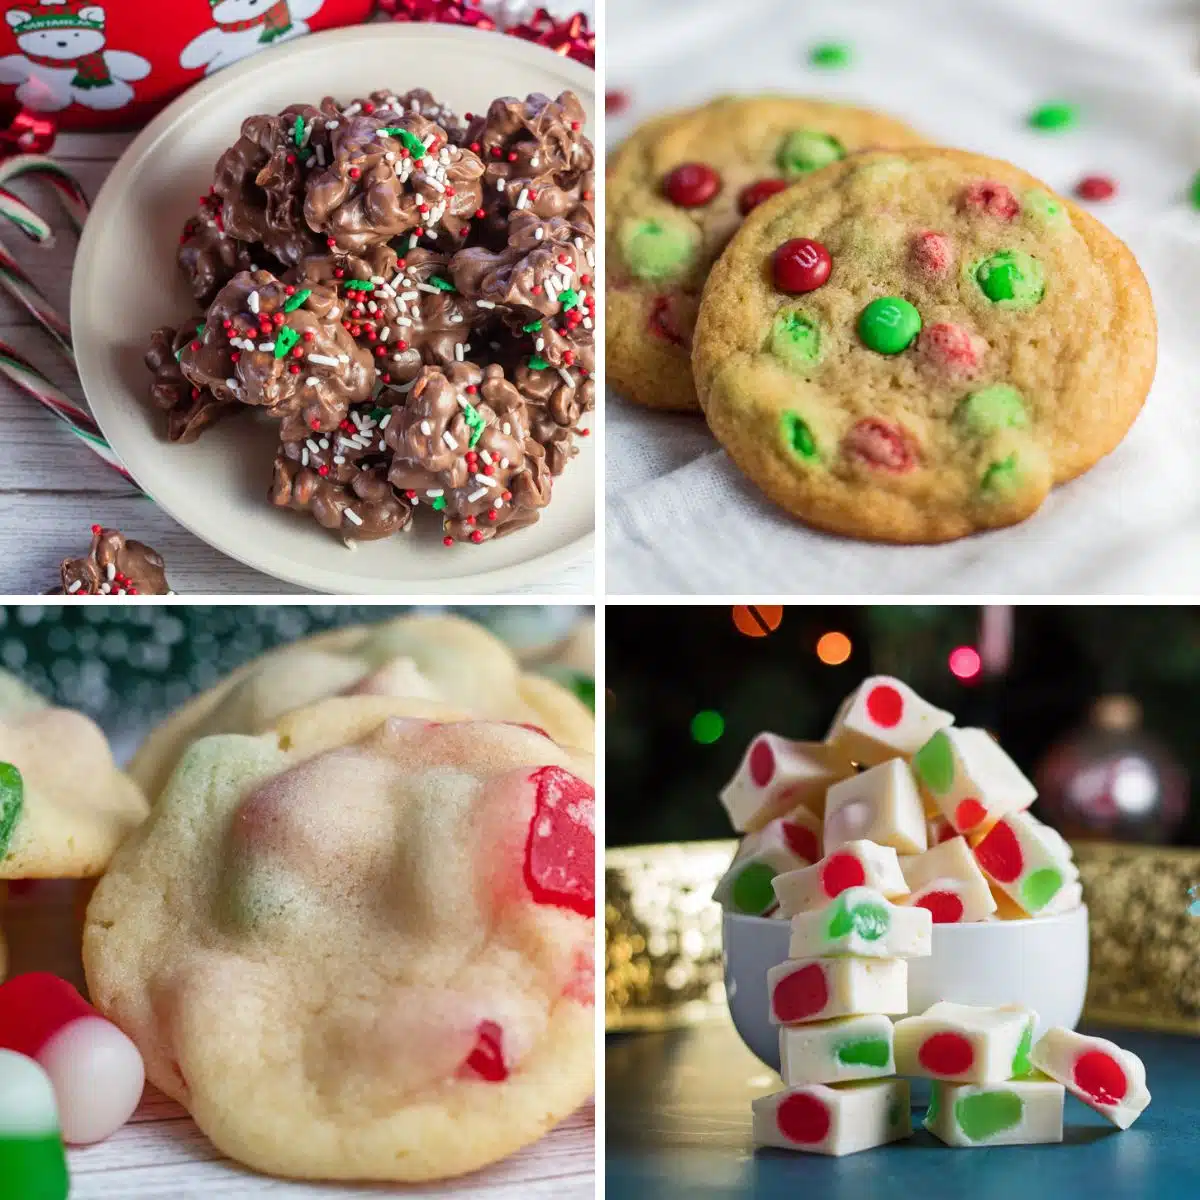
[707, 727]
[757, 620]
[965, 663]
[833, 648]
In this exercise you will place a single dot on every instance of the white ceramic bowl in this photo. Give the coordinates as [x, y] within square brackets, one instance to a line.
[1041, 963]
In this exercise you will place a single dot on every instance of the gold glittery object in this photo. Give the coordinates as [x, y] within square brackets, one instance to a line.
[663, 962]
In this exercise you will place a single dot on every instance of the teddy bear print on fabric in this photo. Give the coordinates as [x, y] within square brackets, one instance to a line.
[242, 27]
[65, 60]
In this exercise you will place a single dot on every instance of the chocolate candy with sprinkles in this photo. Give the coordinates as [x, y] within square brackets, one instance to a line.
[114, 566]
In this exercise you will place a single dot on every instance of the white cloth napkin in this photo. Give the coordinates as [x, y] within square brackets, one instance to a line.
[682, 519]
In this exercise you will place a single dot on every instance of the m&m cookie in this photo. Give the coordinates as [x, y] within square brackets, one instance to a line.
[915, 344]
[677, 190]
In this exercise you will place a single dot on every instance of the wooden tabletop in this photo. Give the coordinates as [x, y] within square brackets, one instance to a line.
[678, 1128]
[52, 488]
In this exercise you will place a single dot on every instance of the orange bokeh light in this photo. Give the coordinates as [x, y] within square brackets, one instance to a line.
[757, 620]
[834, 648]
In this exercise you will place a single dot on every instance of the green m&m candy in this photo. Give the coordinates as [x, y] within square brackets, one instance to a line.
[805, 150]
[798, 437]
[1055, 116]
[991, 409]
[1001, 477]
[1045, 208]
[794, 338]
[33, 1162]
[1011, 278]
[658, 248]
[889, 325]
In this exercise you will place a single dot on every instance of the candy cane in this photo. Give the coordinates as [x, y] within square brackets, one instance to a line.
[18, 284]
[70, 194]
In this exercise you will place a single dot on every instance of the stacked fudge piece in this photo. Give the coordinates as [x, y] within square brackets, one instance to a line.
[408, 296]
[897, 821]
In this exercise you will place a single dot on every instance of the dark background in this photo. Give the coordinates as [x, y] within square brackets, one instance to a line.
[666, 663]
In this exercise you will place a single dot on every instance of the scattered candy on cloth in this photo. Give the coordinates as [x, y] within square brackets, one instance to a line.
[360, 945]
[1127, 74]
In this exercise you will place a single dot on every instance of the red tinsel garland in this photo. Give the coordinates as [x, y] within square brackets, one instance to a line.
[26, 132]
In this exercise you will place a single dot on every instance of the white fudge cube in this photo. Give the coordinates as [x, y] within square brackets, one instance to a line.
[820, 988]
[970, 779]
[778, 775]
[835, 1120]
[1097, 1071]
[856, 864]
[883, 718]
[837, 1051]
[861, 922]
[962, 1043]
[880, 805]
[782, 845]
[948, 882]
[1028, 860]
[1021, 1112]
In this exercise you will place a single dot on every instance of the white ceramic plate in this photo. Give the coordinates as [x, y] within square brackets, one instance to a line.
[126, 284]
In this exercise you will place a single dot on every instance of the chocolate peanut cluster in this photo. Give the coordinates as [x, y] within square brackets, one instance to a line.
[409, 297]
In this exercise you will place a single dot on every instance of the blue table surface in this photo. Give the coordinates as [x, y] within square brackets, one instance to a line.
[677, 1111]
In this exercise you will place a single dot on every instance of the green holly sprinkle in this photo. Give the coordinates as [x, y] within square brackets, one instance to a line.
[658, 250]
[358, 285]
[830, 55]
[298, 131]
[285, 339]
[1011, 278]
[1001, 476]
[982, 1115]
[475, 423]
[935, 1104]
[798, 438]
[568, 298]
[442, 284]
[538, 363]
[1021, 1064]
[934, 764]
[409, 141]
[1051, 118]
[991, 409]
[869, 921]
[805, 150]
[752, 892]
[889, 324]
[12, 801]
[438, 503]
[1043, 207]
[865, 1052]
[1040, 888]
[794, 338]
[532, 327]
[293, 302]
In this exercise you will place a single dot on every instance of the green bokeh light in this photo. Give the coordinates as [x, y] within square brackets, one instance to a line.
[707, 727]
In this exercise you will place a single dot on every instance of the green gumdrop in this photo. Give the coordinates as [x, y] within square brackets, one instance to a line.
[869, 921]
[1045, 208]
[752, 892]
[798, 438]
[657, 249]
[12, 801]
[795, 339]
[934, 764]
[1021, 1064]
[1012, 278]
[984, 1114]
[1038, 890]
[1002, 476]
[34, 1167]
[865, 1052]
[935, 1104]
[992, 408]
[805, 150]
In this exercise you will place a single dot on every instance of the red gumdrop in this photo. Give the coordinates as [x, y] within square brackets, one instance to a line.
[951, 349]
[999, 854]
[560, 853]
[801, 995]
[968, 814]
[1100, 1076]
[487, 1058]
[946, 1054]
[663, 323]
[803, 1119]
[882, 445]
[754, 194]
[885, 705]
[946, 907]
[801, 841]
[841, 871]
[991, 198]
[762, 763]
[931, 253]
[800, 265]
[692, 185]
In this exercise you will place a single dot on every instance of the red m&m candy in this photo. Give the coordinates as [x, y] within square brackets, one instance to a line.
[691, 185]
[1096, 187]
[753, 194]
[800, 265]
